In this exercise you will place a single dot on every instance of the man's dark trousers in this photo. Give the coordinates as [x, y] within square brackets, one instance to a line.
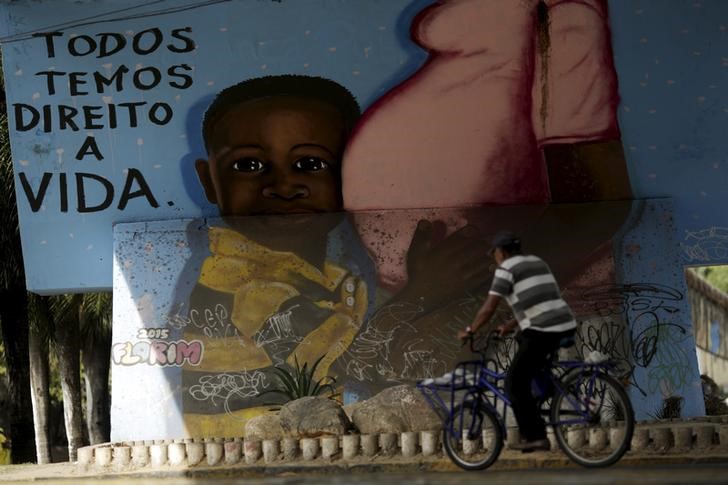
[534, 349]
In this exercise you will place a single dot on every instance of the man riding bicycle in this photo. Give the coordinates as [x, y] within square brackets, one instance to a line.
[544, 318]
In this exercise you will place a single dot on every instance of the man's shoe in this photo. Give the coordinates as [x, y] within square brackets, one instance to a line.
[533, 445]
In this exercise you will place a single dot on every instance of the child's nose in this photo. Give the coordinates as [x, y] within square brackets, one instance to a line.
[285, 188]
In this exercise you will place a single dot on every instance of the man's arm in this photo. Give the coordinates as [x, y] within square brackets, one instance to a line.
[483, 315]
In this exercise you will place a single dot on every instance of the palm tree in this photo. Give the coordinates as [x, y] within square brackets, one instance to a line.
[66, 309]
[95, 319]
[64, 320]
[83, 327]
[40, 336]
[13, 307]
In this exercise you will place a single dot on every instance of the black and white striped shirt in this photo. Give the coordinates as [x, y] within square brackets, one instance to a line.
[529, 287]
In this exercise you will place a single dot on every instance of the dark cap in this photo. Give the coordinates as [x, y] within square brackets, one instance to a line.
[505, 239]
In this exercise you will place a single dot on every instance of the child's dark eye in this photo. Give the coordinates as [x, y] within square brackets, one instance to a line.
[248, 165]
[311, 164]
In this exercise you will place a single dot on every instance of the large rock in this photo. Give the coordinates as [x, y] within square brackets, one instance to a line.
[310, 417]
[264, 427]
[395, 410]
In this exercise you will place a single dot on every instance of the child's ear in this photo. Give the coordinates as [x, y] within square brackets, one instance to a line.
[202, 167]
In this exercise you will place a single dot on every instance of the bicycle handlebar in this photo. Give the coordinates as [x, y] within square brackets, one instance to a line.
[493, 336]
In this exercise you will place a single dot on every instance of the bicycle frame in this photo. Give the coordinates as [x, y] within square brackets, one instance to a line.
[476, 380]
[580, 393]
[588, 371]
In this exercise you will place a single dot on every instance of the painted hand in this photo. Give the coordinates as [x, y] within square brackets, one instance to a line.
[442, 267]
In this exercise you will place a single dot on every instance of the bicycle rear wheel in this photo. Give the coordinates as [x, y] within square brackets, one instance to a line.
[593, 419]
[473, 437]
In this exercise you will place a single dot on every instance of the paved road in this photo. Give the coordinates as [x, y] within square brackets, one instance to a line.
[644, 475]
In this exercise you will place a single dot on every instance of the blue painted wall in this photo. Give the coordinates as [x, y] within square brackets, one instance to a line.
[670, 57]
[362, 45]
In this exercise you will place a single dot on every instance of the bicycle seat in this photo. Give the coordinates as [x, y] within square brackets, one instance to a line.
[564, 343]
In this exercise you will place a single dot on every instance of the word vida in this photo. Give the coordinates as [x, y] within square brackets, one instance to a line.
[157, 353]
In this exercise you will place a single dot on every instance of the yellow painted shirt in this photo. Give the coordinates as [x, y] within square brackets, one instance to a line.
[254, 308]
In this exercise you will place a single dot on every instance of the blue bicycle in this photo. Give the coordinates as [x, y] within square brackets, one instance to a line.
[588, 410]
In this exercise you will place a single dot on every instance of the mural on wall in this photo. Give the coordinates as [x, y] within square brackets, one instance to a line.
[516, 104]
[275, 146]
[237, 308]
[106, 97]
[274, 151]
[636, 324]
[105, 105]
[354, 162]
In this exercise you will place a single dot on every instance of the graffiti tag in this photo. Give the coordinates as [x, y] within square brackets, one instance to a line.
[224, 387]
[157, 353]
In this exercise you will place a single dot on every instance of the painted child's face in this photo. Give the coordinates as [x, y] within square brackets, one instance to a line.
[275, 156]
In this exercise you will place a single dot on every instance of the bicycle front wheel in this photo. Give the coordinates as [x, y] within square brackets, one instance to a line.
[592, 418]
[473, 437]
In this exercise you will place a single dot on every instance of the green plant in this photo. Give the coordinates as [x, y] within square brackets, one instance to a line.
[299, 382]
[671, 408]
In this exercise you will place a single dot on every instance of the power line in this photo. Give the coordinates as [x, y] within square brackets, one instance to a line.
[85, 19]
[91, 20]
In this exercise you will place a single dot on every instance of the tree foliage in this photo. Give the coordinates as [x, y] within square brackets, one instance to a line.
[44, 315]
[716, 276]
[11, 269]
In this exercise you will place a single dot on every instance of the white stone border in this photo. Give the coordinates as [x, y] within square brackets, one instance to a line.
[657, 437]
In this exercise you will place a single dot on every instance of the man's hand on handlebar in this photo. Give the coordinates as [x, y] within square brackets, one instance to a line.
[482, 317]
[501, 330]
